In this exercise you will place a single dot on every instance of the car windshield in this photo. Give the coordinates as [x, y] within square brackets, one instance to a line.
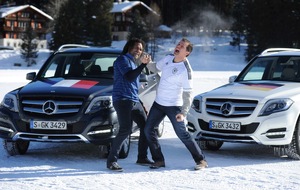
[80, 65]
[279, 68]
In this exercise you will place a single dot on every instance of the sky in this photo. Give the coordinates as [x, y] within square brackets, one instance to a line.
[68, 166]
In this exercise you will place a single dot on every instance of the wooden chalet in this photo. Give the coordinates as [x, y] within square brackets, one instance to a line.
[123, 12]
[14, 21]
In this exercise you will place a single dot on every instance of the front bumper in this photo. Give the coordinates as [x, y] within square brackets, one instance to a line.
[97, 128]
[275, 129]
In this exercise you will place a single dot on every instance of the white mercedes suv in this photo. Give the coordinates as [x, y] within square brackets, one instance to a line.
[261, 105]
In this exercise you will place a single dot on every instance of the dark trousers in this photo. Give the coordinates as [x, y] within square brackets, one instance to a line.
[128, 111]
[155, 116]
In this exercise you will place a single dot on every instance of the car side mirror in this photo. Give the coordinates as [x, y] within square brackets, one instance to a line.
[143, 78]
[30, 76]
[232, 78]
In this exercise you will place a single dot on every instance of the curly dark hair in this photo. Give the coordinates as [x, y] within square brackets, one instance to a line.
[130, 45]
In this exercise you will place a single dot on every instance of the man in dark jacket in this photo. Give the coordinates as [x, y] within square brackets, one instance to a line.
[126, 101]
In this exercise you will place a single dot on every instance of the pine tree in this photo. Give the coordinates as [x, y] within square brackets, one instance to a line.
[98, 22]
[268, 24]
[53, 7]
[68, 26]
[83, 22]
[29, 46]
[238, 27]
[139, 28]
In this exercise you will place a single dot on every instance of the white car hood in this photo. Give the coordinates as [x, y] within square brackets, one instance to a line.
[256, 90]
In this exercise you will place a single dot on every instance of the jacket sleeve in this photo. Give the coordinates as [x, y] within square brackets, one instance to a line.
[152, 67]
[133, 74]
[187, 101]
[187, 89]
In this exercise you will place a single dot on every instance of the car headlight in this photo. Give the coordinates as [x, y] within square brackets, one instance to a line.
[196, 104]
[10, 101]
[276, 105]
[98, 103]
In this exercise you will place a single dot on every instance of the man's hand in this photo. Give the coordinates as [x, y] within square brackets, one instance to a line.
[145, 58]
[179, 117]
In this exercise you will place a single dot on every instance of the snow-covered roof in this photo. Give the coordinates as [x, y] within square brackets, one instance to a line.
[164, 28]
[120, 7]
[4, 11]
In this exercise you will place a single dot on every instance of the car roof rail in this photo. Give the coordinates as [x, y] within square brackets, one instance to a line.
[68, 46]
[274, 50]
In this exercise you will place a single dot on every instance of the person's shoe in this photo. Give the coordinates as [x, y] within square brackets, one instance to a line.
[115, 167]
[144, 162]
[158, 164]
[201, 165]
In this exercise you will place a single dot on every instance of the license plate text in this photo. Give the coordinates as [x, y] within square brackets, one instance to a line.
[221, 125]
[48, 125]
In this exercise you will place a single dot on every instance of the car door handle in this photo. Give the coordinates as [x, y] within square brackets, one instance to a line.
[154, 78]
[146, 85]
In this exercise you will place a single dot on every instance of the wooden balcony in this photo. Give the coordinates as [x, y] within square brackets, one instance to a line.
[19, 29]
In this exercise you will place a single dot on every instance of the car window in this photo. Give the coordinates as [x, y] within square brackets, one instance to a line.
[57, 66]
[83, 65]
[258, 69]
[284, 68]
[105, 62]
[50, 72]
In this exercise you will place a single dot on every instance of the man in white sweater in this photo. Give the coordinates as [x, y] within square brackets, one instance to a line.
[173, 99]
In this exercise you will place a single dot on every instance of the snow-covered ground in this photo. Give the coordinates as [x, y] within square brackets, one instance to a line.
[81, 166]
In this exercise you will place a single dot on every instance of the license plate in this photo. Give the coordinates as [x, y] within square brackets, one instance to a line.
[48, 125]
[221, 125]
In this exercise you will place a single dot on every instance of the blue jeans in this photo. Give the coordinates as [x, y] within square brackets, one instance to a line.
[155, 116]
[128, 111]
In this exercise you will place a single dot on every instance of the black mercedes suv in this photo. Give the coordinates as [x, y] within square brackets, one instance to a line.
[69, 100]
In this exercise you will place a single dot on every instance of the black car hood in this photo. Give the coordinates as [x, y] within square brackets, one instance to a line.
[69, 87]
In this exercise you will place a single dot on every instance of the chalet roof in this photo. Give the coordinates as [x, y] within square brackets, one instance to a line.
[120, 7]
[4, 11]
[164, 28]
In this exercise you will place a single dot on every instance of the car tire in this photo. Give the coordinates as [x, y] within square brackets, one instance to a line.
[125, 147]
[210, 144]
[16, 147]
[293, 149]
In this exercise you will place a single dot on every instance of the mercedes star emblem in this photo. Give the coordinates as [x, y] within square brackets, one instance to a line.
[226, 109]
[49, 107]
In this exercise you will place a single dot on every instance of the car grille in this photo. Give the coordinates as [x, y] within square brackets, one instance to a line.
[230, 108]
[51, 106]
